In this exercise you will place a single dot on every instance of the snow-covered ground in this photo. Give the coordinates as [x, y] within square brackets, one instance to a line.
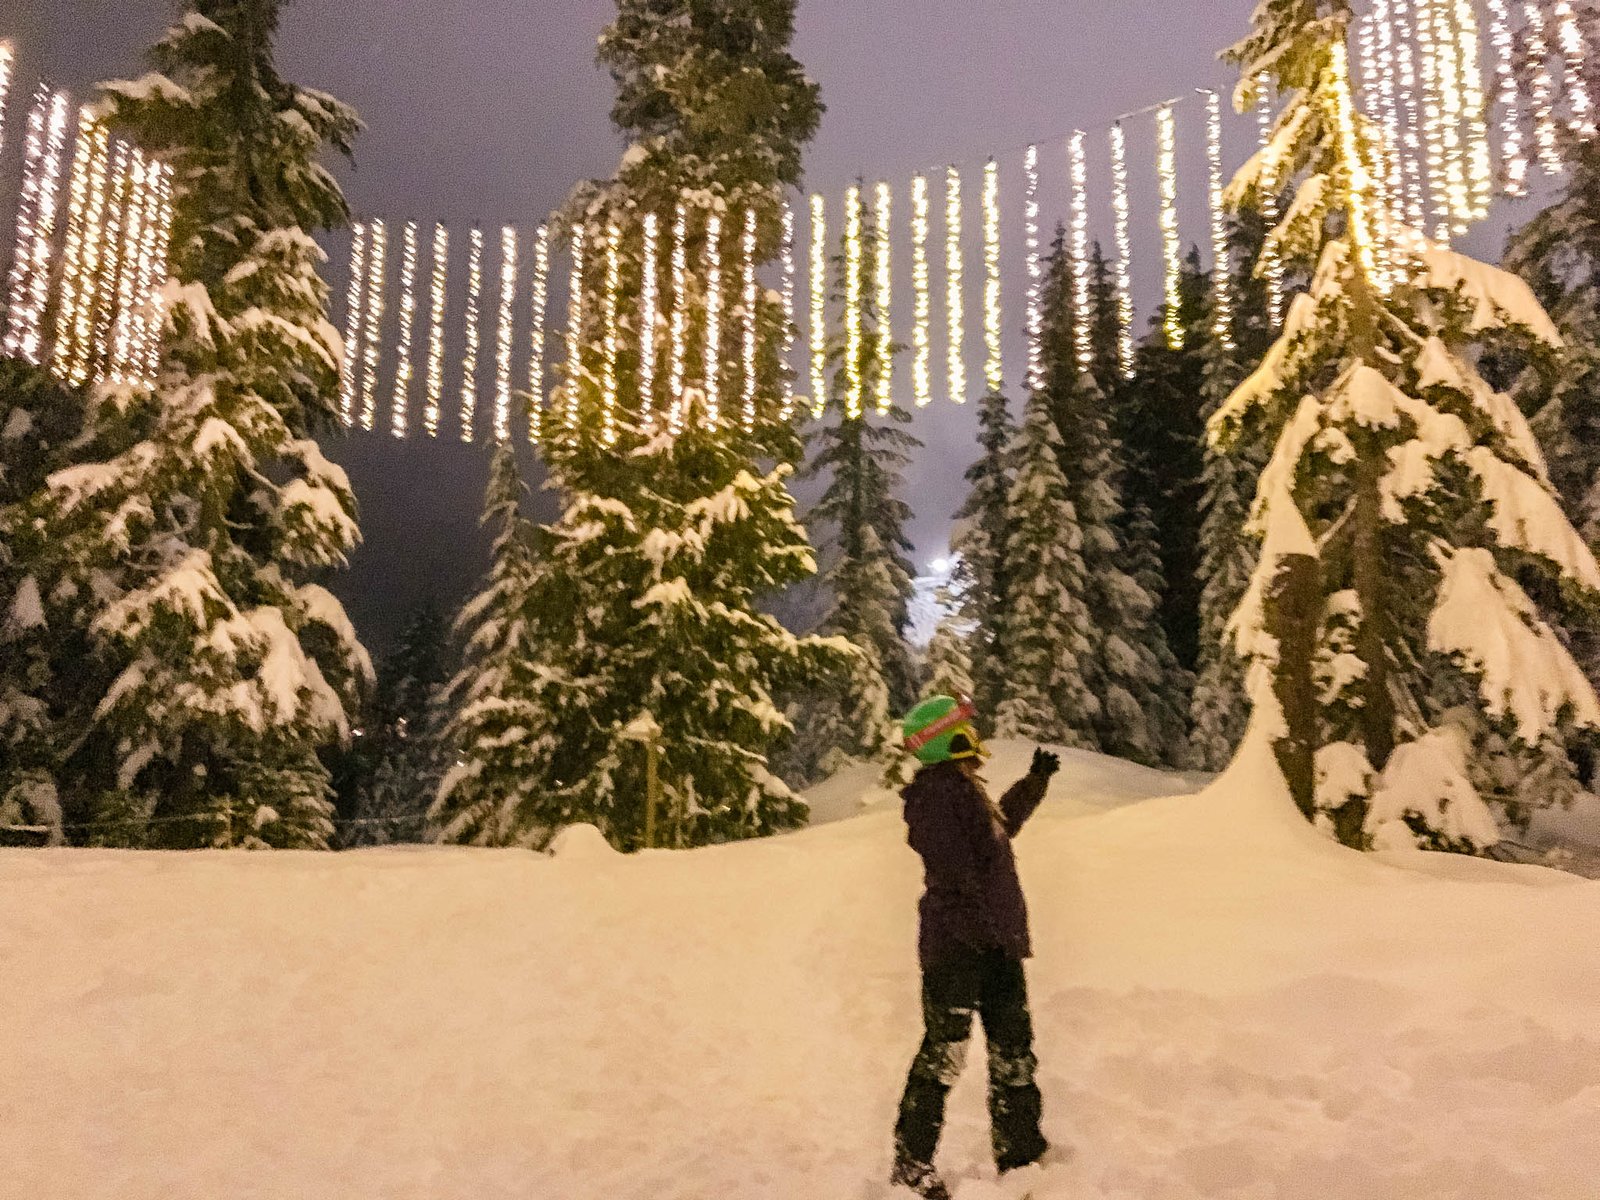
[1227, 1006]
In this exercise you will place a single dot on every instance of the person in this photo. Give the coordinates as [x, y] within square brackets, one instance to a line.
[972, 944]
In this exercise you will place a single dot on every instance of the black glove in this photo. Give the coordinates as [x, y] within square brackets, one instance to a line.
[1045, 764]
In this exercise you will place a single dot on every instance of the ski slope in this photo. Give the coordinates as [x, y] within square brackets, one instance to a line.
[1228, 1007]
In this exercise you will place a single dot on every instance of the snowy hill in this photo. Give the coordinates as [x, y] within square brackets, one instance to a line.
[1228, 1007]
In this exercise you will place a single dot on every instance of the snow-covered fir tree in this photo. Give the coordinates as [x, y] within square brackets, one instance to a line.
[863, 518]
[497, 734]
[189, 548]
[949, 660]
[983, 526]
[1221, 708]
[1404, 619]
[677, 519]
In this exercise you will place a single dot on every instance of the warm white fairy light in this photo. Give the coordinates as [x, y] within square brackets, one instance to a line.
[884, 219]
[353, 324]
[955, 288]
[1171, 247]
[678, 330]
[505, 341]
[80, 259]
[611, 336]
[1271, 262]
[921, 284]
[1385, 87]
[854, 290]
[1513, 158]
[1469, 63]
[1434, 119]
[791, 335]
[155, 304]
[819, 306]
[36, 225]
[377, 281]
[748, 313]
[142, 328]
[713, 347]
[405, 366]
[8, 58]
[1221, 249]
[1544, 88]
[993, 316]
[121, 368]
[1083, 337]
[1409, 113]
[1119, 203]
[1362, 234]
[575, 319]
[469, 362]
[649, 316]
[438, 298]
[1035, 314]
[536, 337]
[119, 209]
[1574, 54]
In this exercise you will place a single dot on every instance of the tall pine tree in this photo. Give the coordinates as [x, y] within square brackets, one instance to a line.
[981, 586]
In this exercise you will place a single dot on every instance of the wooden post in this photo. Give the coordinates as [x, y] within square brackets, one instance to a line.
[652, 790]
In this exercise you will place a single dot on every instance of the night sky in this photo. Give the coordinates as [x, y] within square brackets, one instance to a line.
[490, 110]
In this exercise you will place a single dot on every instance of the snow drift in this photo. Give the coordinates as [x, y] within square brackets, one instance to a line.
[1228, 1007]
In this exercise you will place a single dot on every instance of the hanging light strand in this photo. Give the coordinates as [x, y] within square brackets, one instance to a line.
[8, 58]
[85, 209]
[156, 304]
[819, 306]
[791, 330]
[119, 191]
[141, 326]
[1409, 113]
[611, 336]
[884, 261]
[1513, 156]
[921, 285]
[1083, 338]
[649, 318]
[1574, 54]
[854, 291]
[955, 288]
[1386, 96]
[679, 329]
[1544, 88]
[575, 320]
[713, 344]
[29, 292]
[1221, 250]
[133, 227]
[1271, 263]
[469, 361]
[536, 336]
[1469, 61]
[354, 297]
[1035, 314]
[505, 341]
[405, 366]
[993, 315]
[438, 300]
[748, 304]
[377, 280]
[1171, 247]
[1119, 183]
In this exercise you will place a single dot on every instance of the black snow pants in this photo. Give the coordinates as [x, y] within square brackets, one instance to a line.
[993, 985]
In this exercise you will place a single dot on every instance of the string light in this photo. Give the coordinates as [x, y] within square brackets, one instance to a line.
[1082, 330]
[853, 290]
[469, 364]
[791, 333]
[505, 344]
[1434, 121]
[885, 272]
[575, 319]
[611, 342]
[1271, 261]
[7, 62]
[1386, 89]
[1573, 54]
[819, 306]
[955, 287]
[1119, 183]
[163, 248]
[1221, 250]
[36, 225]
[119, 202]
[649, 309]
[1035, 271]
[921, 283]
[133, 226]
[749, 299]
[679, 343]
[143, 329]
[80, 260]
[1361, 231]
[1172, 250]
[713, 364]
[541, 306]
[993, 318]
[1410, 113]
[438, 300]
[1469, 61]
[353, 323]
[1544, 88]
[377, 279]
[1513, 158]
[405, 368]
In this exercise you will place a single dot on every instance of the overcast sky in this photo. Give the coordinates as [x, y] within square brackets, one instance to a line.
[490, 110]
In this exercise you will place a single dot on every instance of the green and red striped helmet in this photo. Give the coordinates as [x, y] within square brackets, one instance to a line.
[940, 730]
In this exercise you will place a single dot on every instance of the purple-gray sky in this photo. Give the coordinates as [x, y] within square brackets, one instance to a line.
[490, 110]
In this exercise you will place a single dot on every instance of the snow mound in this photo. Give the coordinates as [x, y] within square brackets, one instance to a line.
[581, 843]
[1228, 1008]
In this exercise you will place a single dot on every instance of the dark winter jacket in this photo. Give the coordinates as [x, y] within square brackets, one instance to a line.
[974, 899]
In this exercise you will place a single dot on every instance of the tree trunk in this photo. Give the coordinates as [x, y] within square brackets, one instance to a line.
[1294, 618]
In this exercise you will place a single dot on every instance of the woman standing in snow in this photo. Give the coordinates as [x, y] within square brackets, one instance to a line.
[973, 941]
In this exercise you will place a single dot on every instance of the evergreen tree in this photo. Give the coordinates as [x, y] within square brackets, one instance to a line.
[188, 549]
[949, 661]
[677, 516]
[1403, 666]
[983, 528]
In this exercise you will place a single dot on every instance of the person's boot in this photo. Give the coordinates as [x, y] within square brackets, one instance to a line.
[921, 1179]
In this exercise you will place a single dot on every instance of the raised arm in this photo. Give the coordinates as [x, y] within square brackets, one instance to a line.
[1023, 800]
